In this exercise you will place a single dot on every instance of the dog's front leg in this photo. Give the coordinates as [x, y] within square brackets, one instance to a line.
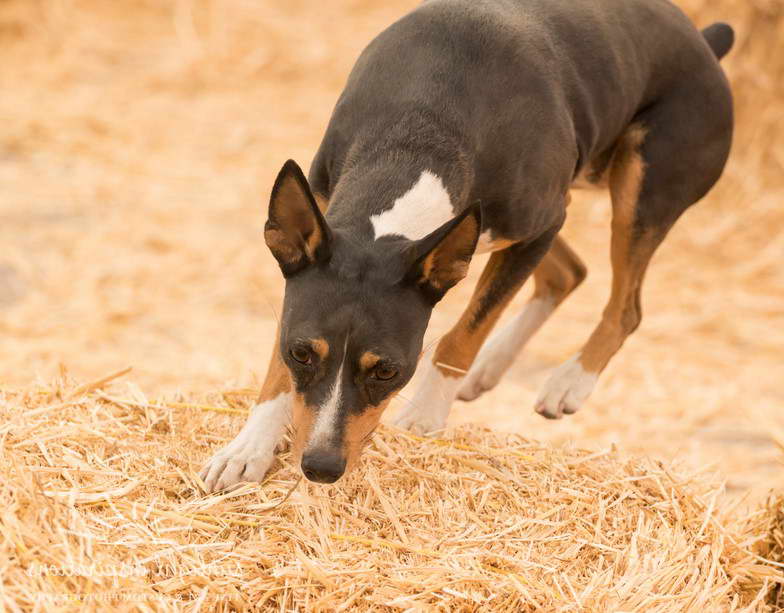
[503, 276]
[249, 456]
[557, 275]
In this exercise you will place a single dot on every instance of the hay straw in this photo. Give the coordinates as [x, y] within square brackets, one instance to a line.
[99, 383]
[771, 521]
[110, 512]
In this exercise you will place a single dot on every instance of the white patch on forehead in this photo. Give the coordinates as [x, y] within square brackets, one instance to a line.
[422, 209]
[327, 419]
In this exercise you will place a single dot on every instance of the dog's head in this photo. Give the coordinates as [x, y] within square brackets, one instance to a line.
[353, 320]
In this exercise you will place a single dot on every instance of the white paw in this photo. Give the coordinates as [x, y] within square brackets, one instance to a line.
[249, 456]
[566, 389]
[428, 411]
[490, 365]
[421, 421]
[500, 350]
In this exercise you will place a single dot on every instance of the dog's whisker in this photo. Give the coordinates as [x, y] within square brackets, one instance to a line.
[435, 341]
[368, 435]
[272, 309]
[410, 402]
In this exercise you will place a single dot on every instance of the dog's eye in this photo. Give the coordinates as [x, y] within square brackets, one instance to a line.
[301, 355]
[384, 373]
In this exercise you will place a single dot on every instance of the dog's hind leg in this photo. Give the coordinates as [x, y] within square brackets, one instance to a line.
[662, 165]
[557, 275]
[446, 367]
[250, 454]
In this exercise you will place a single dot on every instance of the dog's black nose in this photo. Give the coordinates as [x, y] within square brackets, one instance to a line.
[325, 466]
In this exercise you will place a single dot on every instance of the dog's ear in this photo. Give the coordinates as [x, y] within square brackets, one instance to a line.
[441, 259]
[296, 231]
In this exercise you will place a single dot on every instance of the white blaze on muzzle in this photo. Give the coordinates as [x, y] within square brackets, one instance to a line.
[323, 432]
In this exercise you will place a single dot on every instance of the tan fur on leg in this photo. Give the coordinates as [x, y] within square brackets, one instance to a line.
[571, 384]
[556, 276]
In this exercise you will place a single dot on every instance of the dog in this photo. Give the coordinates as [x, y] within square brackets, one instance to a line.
[461, 130]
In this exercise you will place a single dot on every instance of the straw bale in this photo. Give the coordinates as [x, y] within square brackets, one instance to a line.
[103, 508]
[770, 521]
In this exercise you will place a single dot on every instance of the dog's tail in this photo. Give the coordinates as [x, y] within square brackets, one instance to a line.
[720, 37]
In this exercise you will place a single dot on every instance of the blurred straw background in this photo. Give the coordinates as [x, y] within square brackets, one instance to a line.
[138, 143]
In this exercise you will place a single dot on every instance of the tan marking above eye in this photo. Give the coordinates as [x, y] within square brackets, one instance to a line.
[369, 360]
[321, 347]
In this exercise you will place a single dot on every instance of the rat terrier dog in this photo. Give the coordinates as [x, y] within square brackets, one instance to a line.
[461, 130]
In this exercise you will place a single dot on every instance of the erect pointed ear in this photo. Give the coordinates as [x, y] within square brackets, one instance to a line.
[296, 231]
[441, 259]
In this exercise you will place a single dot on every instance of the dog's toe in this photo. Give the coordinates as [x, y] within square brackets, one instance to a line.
[548, 411]
[250, 454]
[471, 390]
[566, 390]
[476, 384]
[428, 410]
[247, 458]
[489, 367]
[212, 472]
[419, 423]
[234, 465]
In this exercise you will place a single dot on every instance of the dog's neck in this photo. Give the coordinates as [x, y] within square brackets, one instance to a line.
[405, 178]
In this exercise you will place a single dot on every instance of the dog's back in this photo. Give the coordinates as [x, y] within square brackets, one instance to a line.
[496, 73]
